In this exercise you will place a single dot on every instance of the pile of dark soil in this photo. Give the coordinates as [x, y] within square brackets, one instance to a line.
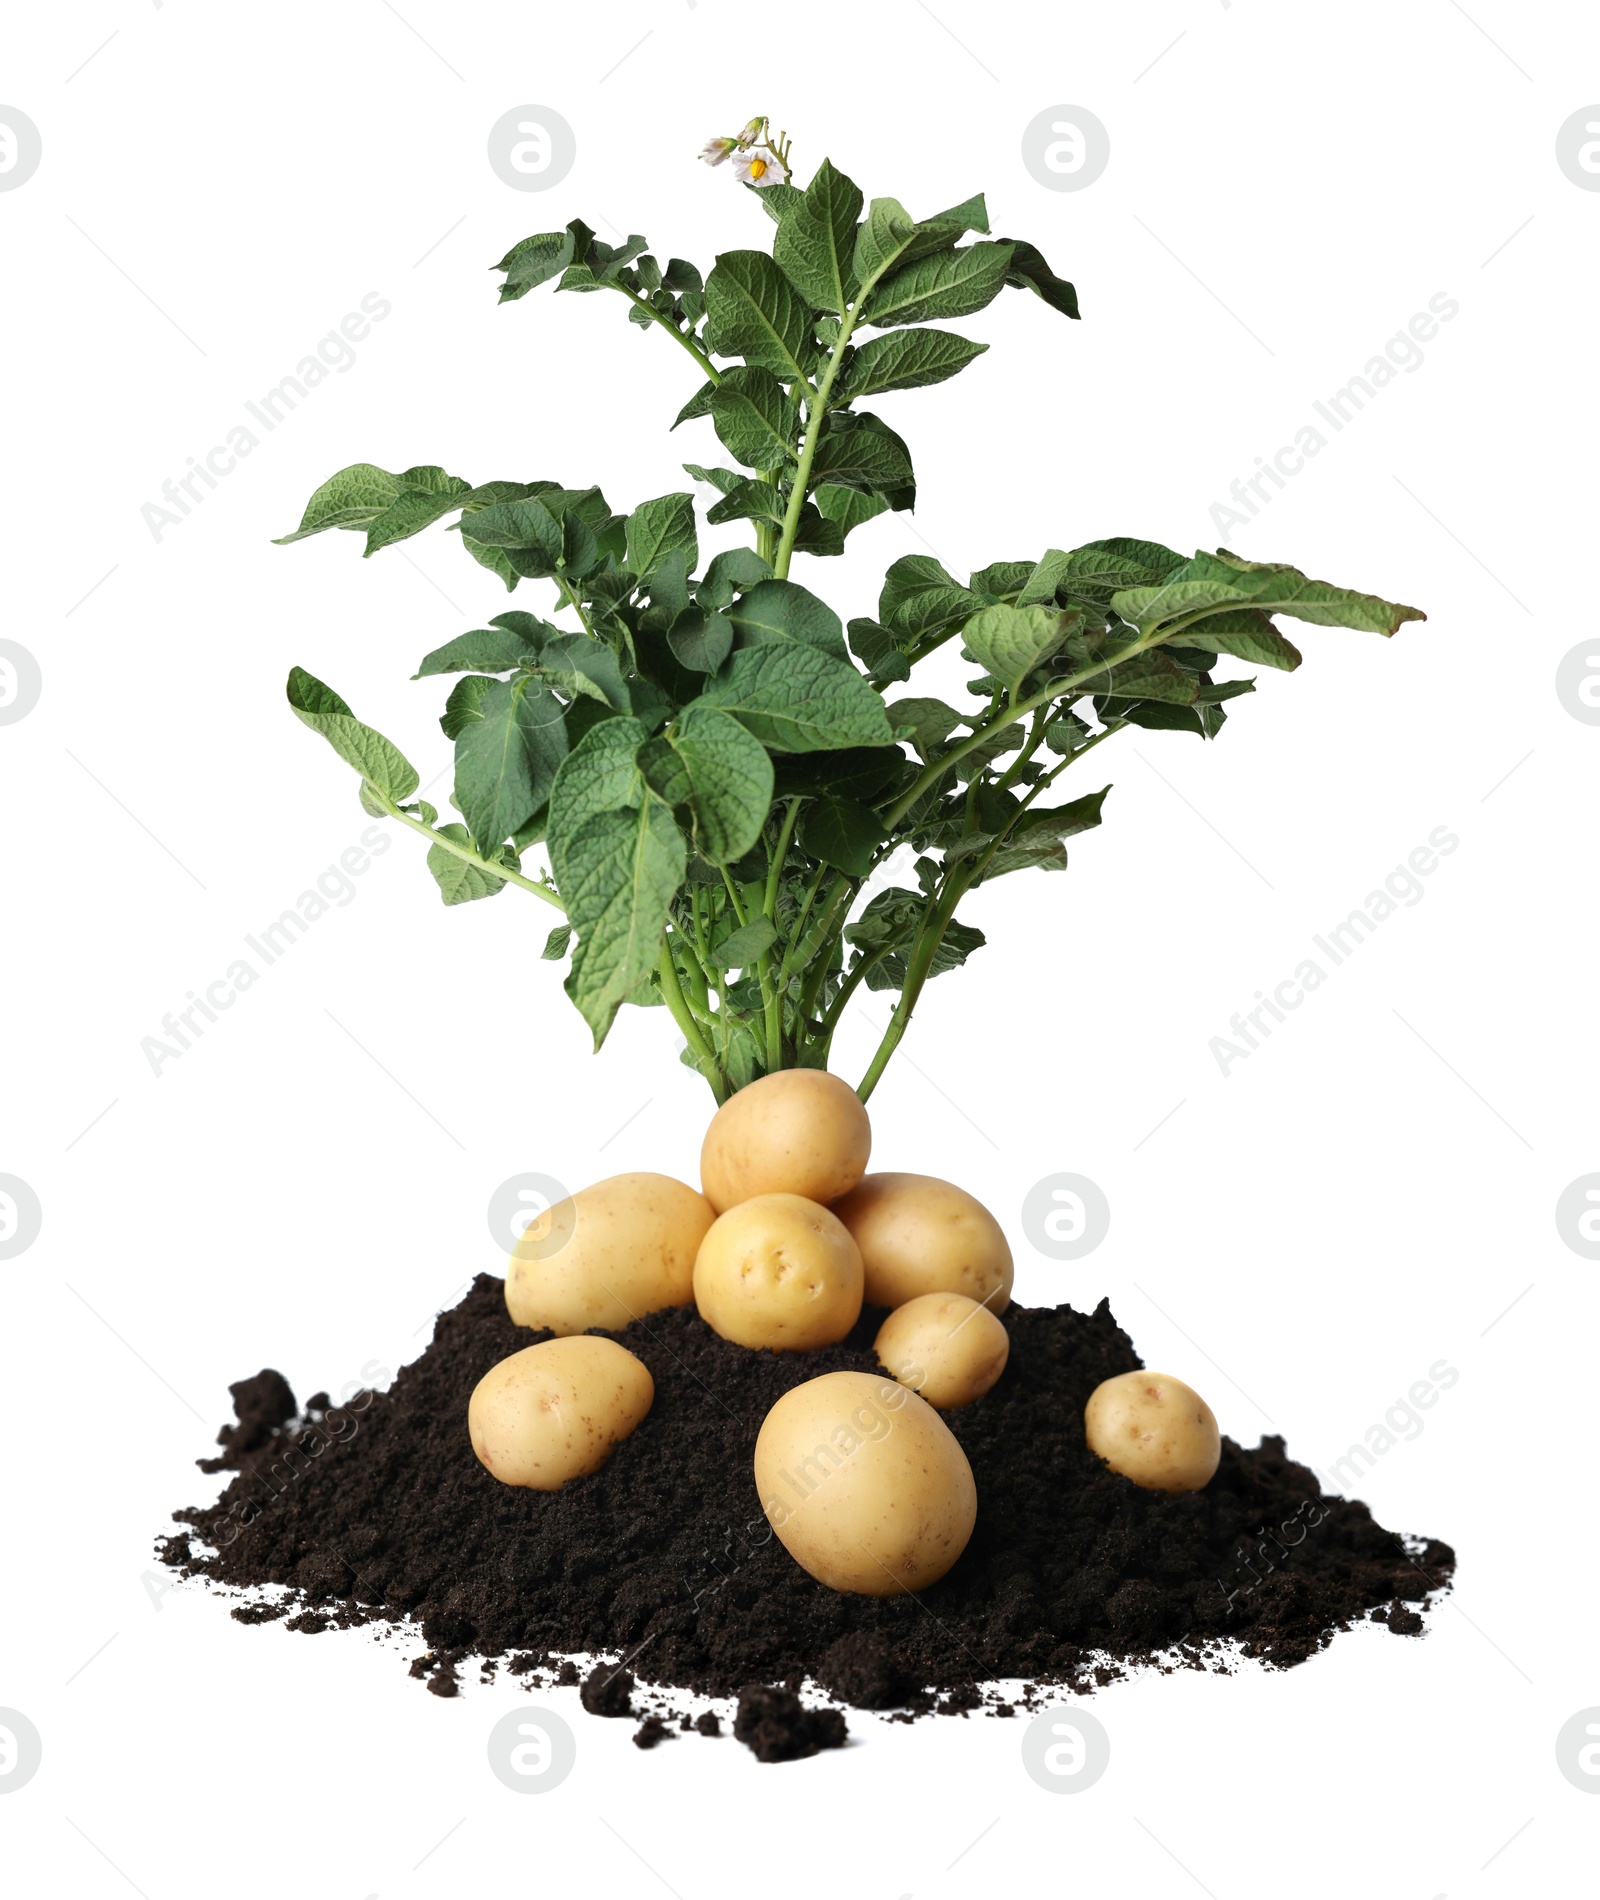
[378, 1511]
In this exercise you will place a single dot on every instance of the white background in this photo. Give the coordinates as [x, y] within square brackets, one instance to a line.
[1368, 1193]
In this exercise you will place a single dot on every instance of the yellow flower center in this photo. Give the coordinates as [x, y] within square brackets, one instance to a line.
[758, 167]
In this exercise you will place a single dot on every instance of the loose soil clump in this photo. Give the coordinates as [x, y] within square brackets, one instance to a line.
[378, 1512]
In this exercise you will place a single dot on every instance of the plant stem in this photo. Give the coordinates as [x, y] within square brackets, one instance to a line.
[733, 897]
[800, 922]
[772, 993]
[465, 852]
[917, 966]
[849, 986]
[816, 415]
[682, 1015]
[570, 599]
[713, 374]
[1019, 709]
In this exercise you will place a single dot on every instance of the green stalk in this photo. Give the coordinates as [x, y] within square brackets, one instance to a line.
[926, 947]
[772, 993]
[465, 852]
[672, 994]
[816, 415]
[930, 775]
[712, 373]
[917, 967]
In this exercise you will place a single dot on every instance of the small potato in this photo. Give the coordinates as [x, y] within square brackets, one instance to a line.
[778, 1271]
[796, 1131]
[947, 1348]
[608, 1254]
[554, 1411]
[1155, 1430]
[864, 1484]
[920, 1235]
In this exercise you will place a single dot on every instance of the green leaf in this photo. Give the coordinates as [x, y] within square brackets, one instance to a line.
[754, 419]
[1003, 580]
[781, 611]
[893, 918]
[816, 536]
[907, 359]
[530, 528]
[664, 772]
[867, 773]
[1039, 842]
[730, 571]
[849, 507]
[484, 650]
[350, 499]
[919, 599]
[1152, 675]
[863, 458]
[506, 759]
[537, 259]
[933, 289]
[1211, 582]
[495, 559]
[1029, 271]
[1009, 642]
[462, 708]
[815, 243]
[730, 781]
[778, 200]
[883, 240]
[946, 229]
[843, 833]
[623, 870]
[753, 311]
[372, 755]
[796, 698]
[600, 264]
[600, 774]
[752, 500]
[927, 722]
[741, 948]
[555, 945]
[416, 507]
[875, 647]
[458, 881]
[725, 480]
[659, 528]
[1247, 634]
[1100, 569]
[700, 639]
[578, 663]
[699, 404]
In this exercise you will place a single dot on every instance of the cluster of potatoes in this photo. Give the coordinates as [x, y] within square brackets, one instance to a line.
[862, 1480]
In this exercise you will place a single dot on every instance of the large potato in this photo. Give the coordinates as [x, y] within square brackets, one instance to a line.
[554, 1411]
[796, 1131]
[1155, 1430]
[608, 1254]
[919, 1235]
[864, 1484]
[778, 1271]
[947, 1348]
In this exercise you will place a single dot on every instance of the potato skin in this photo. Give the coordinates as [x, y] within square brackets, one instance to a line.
[946, 1348]
[1155, 1430]
[919, 1235]
[796, 1131]
[556, 1411]
[864, 1484]
[778, 1271]
[608, 1254]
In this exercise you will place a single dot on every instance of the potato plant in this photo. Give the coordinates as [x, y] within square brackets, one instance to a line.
[700, 767]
